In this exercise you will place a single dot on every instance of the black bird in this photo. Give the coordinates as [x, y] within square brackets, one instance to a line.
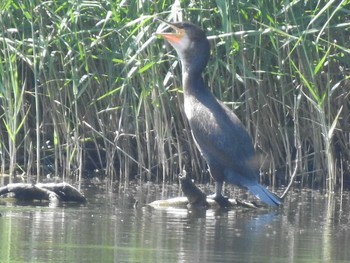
[219, 134]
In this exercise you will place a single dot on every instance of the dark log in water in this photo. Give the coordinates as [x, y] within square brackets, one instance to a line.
[54, 193]
[66, 192]
[195, 198]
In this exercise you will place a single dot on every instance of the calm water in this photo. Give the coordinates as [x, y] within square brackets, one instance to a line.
[310, 227]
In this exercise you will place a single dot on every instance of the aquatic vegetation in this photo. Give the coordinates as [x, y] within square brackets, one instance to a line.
[87, 90]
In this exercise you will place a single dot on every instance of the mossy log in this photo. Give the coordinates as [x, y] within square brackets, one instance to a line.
[195, 199]
[55, 193]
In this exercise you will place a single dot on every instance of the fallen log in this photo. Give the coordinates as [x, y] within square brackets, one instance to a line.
[52, 192]
[66, 192]
[195, 199]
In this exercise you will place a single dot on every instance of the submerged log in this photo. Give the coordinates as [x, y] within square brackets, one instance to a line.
[52, 192]
[195, 199]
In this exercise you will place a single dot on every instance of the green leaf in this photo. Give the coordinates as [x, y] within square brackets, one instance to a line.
[146, 67]
[334, 123]
[321, 62]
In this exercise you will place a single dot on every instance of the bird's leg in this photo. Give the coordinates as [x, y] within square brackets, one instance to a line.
[218, 190]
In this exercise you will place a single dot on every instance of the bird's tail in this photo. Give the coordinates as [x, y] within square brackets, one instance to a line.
[264, 195]
[254, 188]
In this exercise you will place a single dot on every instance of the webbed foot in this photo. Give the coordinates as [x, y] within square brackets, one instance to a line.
[221, 200]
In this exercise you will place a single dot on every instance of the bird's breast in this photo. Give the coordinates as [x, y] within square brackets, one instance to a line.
[200, 116]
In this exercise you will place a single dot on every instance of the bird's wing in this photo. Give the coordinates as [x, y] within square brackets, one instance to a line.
[222, 139]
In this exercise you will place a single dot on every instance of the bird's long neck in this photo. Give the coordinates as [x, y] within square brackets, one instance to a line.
[193, 64]
[193, 83]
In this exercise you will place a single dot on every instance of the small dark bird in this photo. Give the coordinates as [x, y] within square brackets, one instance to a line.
[218, 133]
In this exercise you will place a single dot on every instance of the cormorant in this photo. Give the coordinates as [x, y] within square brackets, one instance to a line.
[218, 133]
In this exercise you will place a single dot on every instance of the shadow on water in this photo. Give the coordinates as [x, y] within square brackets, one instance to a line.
[310, 227]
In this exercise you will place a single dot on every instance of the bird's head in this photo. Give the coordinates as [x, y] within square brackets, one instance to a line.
[191, 44]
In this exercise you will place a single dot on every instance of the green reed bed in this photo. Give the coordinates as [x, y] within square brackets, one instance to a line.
[87, 90]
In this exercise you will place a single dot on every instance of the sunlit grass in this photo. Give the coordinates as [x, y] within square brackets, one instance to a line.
[87, 90]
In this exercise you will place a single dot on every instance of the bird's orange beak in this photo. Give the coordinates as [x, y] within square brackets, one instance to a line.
[171, 37]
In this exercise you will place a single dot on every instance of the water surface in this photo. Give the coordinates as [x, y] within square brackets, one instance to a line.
[310, 227]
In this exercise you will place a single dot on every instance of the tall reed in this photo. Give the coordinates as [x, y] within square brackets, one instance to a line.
[87, 90]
